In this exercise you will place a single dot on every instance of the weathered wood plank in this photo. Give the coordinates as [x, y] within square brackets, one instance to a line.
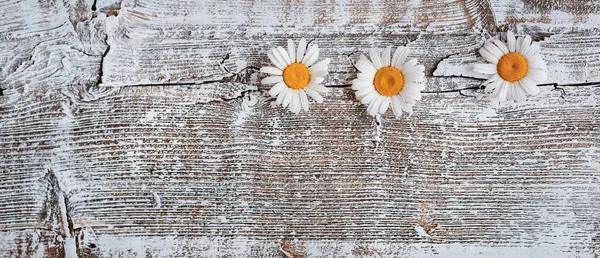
[459, 171]
[209, 166]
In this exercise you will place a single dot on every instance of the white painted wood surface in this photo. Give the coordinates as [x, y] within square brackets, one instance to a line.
[139, 129]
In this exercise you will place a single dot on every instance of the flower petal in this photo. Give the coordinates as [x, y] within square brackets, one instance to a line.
[410, 64]
[314, 94]
[311, 55]
[275, 60]
[397, 106]
[536, 62]
[529, 86]
[537, 75]
[385, 103]
[399, 57]
[271, 70]
[385, 57]
[301, 50]
[287, 98]
[369, 97]
[358, 84]
[292, 50]
[295, 105]
[271, 80]
[493, 49]
[277, 89]
[363, 92]
[303, 99]
[511, 41]
[376, 58]
[485, 68]
[488, 56]
[532, 50]
[365, 66]
[524, 46]
[501, 46]
[374, 105]
[320, 66]
[284, 54]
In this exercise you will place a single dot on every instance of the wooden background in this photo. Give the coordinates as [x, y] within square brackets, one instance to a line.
[138, 128]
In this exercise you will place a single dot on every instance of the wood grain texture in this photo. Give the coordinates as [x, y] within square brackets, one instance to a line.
[139, 129]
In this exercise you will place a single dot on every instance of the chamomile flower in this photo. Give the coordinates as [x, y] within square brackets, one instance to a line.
[515, 68]
[384, 81]
[295, 75]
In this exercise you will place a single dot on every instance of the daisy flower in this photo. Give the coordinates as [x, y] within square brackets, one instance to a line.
[515, 67]
[295, 75]
[384, 81]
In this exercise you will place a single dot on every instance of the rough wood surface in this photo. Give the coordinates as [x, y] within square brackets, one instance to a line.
[139, 129]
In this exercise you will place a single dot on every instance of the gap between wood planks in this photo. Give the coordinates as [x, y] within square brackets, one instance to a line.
[243, 75]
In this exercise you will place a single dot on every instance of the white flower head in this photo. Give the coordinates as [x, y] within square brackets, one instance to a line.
[384, 81]
[515, 67]
[296, 75]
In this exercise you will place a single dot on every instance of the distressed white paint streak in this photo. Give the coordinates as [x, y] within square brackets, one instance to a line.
[207, 165]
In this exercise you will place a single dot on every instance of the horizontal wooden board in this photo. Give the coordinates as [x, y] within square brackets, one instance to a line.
[128, 126]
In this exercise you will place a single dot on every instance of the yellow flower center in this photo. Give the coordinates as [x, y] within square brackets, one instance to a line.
[512, 67]
[388, 81]
[296, 76]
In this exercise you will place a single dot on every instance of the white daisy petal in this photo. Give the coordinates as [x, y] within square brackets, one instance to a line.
[317, 87]
[518, 92]
[301, 50]
[532, 50]
[365, 66]
[410, 64]
[292, 50]
[399, 57]
[358, 84]
[493, 83]
[295, 105]
[536, 62]
[317, 79]
[385, 57]
[282, 95]
[485, 68]
[537, 75]
[376, 58]
[365, 76]
[314, 94]
[284, 54]
[503, 94]
[364, 92]
[406, 107]
[303, 100]
[501, 46]
[320, 66]
[287, 98]
[275, 61]
[271, 70]
[511, 41]
[525, 43]
[488, 56]
[374, 105]
[397, 105]
[493, 49]
[409, 98]
[385, 103]
[271, 80]
[311, 55]
[369, 97]
[529, 86]
[277, 89]
[518, 44]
